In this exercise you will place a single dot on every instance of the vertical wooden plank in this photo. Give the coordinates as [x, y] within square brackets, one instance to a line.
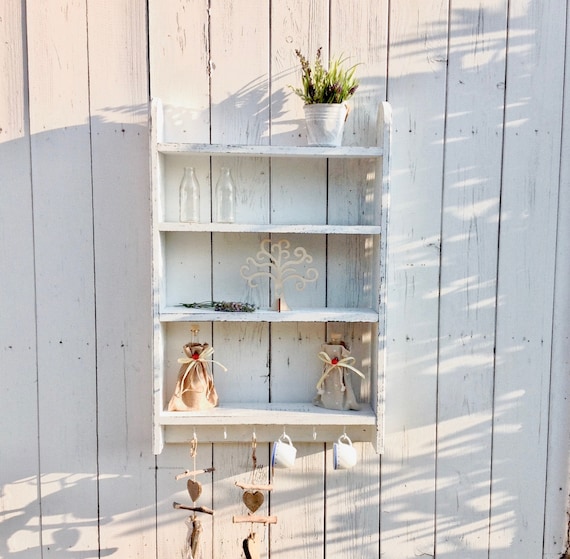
[352, 528]
[180, 77]
[557, 503]
[180, 66]
[417, 62]
[298, 502]
[295, 367]
[300, 25]
[19, 502]
[301, 184]
[239, 92]
[298, 195]
[471, 200]
[243, 349]
[239, 114]
[526, 276]
[119, 128]
[63, 225]
[359, 34]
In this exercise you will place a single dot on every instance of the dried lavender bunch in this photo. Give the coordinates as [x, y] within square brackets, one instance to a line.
[224, 306]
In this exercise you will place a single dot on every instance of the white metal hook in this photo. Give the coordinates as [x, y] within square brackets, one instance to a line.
[225, 433]
[314, 433]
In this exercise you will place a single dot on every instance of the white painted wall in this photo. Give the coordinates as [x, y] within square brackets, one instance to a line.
[477, 422]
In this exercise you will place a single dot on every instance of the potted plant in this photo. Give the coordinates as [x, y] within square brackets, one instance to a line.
[325, 91]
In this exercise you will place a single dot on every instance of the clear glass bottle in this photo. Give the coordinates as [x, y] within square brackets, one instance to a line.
[225, 197]
[189, 197]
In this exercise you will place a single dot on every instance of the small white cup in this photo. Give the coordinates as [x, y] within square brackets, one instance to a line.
[284, 453]
[344, 454]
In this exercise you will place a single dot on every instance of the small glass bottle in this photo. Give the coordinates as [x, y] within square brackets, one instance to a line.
[189, 197]
[225, 197]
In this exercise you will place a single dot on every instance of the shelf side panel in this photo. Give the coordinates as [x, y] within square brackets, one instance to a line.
[383, 171]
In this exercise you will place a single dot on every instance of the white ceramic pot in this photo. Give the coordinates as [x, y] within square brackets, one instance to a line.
[325, 123]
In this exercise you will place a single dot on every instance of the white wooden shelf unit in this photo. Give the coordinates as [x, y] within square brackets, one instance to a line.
[271, 356]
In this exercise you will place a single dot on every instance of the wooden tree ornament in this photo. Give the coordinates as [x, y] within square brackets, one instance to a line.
[282, 265]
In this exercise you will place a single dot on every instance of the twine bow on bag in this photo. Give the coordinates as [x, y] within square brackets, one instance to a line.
[199, 357]
[334, 389]
[331, 365]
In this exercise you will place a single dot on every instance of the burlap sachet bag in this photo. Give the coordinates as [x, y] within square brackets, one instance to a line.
[334, 389]
[195, 388]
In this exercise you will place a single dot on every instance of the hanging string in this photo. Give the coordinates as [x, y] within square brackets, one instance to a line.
[253, 456]
[193, 452]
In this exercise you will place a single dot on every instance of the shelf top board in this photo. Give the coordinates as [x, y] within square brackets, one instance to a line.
[270, 151]
[269, 228]
[181, 314]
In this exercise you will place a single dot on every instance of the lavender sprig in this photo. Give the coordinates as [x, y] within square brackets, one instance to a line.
[223, 306]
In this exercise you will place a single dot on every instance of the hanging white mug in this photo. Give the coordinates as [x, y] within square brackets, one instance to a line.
[344, 454]
[284, 453]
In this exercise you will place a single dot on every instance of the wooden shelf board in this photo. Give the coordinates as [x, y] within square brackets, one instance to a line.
[269, 151]
[278, 414]
[266, 422]
[180, 314]
[269, 228]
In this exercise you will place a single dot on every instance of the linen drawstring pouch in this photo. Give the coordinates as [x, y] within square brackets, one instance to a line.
[334, 389]
[195, 388]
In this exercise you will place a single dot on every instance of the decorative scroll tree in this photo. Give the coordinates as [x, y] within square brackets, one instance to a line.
[282, 267]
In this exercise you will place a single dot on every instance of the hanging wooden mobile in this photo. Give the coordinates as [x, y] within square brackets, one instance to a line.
[253, 498]
[194, 487]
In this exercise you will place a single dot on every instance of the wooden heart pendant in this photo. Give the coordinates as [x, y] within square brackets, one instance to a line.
[194, 489]
[253, 499]
[251, 547]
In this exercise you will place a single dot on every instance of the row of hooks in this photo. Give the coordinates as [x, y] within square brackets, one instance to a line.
[194, 440]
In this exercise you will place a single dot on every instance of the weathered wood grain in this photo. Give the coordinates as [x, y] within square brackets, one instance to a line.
[180, 66]
[64, 265]
[352, 506]
[468, 278]
[73, 228]
[557, 501]
[417, 64]
[119, 140]
[298, 501]
[526, 283]
[19, 498]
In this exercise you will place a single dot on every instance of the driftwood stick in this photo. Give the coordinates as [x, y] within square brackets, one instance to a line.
[188, 473]
[252, 486]
[205, 510]
[255, 519]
